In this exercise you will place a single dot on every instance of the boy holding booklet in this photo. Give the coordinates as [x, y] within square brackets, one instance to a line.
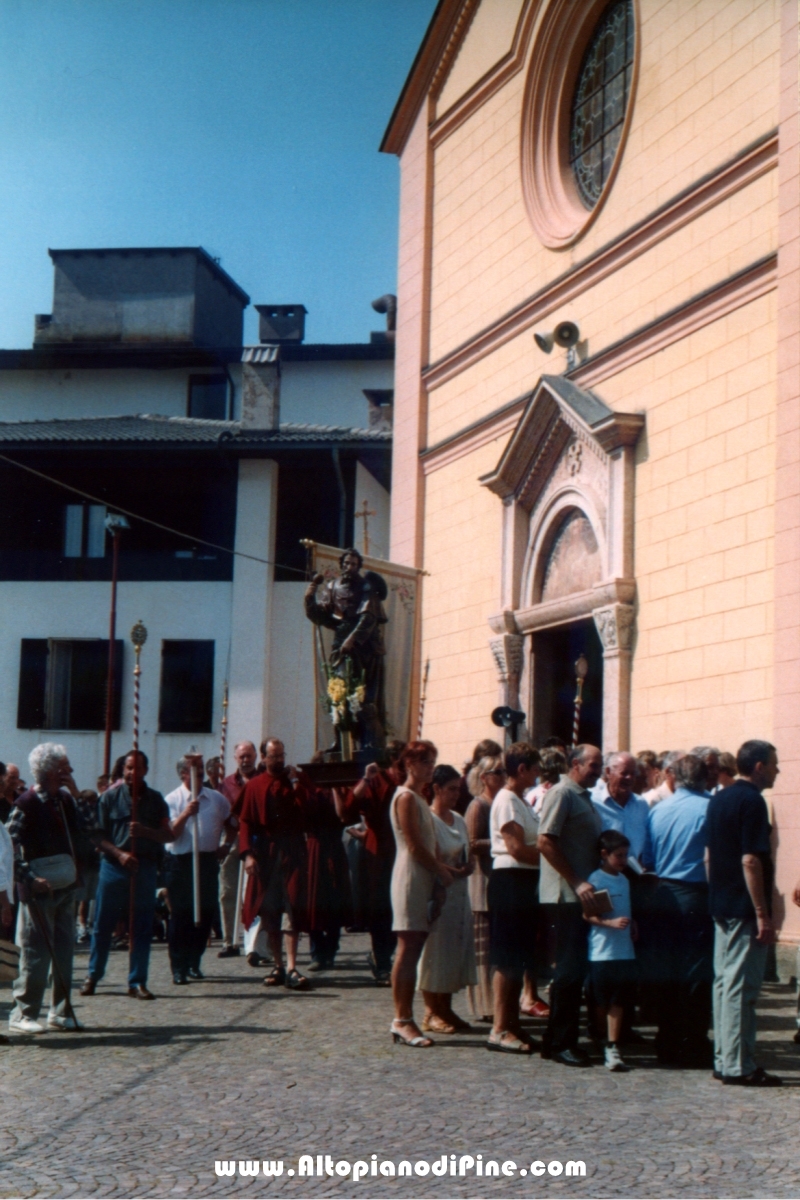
[612, 958]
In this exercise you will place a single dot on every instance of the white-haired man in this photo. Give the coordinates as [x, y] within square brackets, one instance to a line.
[45, 826]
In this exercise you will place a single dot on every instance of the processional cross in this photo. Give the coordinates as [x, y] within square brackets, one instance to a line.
[363, 514]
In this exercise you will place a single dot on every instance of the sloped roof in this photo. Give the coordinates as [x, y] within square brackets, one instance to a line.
[145, 429]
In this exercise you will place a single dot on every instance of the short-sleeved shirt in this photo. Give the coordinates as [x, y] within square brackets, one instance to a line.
[569, 815]
[214, 811]
[632, 819]
[507, 806]
[737, 823]
[611, 945]
[114, 819]
[678, 835]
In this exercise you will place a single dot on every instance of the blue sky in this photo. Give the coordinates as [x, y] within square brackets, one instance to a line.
[250, 127]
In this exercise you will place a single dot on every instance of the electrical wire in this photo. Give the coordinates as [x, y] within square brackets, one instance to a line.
[147, 520]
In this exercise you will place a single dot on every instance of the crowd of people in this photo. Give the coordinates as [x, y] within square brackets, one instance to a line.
[638, 885]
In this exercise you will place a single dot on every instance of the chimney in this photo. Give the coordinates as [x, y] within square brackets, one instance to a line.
[385, 304]
[281, 322]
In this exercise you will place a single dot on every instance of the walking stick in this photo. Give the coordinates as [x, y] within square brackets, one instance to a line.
[193, 757]
[138, 637]
[41, 924]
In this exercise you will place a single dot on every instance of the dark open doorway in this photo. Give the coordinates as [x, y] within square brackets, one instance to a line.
[554, 654]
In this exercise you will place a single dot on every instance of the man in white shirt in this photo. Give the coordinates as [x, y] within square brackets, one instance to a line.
[212, 813]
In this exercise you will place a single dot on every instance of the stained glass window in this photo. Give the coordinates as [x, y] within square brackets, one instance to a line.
[600, 101]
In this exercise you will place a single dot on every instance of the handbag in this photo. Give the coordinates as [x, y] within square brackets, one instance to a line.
[58, 869]
[9, 961]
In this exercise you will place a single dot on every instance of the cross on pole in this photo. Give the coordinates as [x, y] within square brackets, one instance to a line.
[363, 514]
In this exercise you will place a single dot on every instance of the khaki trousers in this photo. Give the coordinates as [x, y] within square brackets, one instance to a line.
[228, 886]
[739, 963]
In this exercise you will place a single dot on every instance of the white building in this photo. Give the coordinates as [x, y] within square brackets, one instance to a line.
[139, 393]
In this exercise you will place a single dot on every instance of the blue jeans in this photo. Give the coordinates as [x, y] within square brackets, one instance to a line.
[113, 902]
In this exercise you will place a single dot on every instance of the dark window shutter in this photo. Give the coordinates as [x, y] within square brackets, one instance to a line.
[32, 683]
[187, 687]
[89, 680]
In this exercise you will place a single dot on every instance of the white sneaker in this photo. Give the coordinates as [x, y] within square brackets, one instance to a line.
[613, 1060]
[64, 1024]
[19, 1024]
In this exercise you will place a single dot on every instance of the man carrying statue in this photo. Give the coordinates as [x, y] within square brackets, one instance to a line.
[352, 606]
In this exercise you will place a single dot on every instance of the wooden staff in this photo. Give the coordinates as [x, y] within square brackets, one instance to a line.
[237, 920]
[422, 698]
[138, 637]
[223, 737]
[193, 756]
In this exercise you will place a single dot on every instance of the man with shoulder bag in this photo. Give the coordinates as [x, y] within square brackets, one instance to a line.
[45, 826]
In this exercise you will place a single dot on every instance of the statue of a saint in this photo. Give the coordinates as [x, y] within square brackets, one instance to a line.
[352, 606]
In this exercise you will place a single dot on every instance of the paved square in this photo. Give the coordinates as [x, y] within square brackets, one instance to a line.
[149, 1096]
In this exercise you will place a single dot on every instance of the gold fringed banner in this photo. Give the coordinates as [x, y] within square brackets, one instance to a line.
[401, 605]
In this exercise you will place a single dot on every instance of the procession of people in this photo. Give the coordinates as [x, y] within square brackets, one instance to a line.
[649, 913]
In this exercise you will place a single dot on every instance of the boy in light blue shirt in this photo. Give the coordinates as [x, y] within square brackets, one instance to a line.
[612, 958]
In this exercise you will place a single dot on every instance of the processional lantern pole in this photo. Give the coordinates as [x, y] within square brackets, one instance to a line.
[196, 781]
[114, 524]
[581, 671]
[138, 637]
[423, 697]
[223, 737]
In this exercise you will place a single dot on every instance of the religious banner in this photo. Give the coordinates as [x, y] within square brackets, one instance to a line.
[400, 604]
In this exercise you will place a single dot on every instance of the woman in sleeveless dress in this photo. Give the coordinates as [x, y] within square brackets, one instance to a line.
[416, 871]
[484, 781]
[448, 958]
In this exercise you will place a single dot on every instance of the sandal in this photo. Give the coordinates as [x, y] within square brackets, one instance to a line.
[436, 1024]
[514, 1046]
[459, 1024]
[276, 977]
[296, 981]
[398, 1037]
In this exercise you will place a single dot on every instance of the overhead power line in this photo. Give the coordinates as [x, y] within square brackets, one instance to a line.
[147, 520]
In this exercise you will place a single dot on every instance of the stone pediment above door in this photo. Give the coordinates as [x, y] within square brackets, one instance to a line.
[566, 481]
[559, 415]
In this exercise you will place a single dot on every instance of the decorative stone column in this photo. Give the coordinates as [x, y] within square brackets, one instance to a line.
[507, 651]
[614, 624]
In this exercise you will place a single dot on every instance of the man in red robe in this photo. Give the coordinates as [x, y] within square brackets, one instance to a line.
[272, 843]
[372, 799]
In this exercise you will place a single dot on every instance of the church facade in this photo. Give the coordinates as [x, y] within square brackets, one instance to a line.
[597, 396]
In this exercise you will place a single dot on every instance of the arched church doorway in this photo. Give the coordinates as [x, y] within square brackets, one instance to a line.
[555, 652]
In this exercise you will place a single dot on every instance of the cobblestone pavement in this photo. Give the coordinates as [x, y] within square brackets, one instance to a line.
[149, 1096]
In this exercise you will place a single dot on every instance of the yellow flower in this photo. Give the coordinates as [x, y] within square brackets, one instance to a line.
[336, 689]
[360, 693]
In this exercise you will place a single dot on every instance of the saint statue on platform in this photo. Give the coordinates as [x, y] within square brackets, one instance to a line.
[352, 606]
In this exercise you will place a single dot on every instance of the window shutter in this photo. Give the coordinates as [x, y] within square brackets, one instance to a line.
[187, 687]
[32, 683]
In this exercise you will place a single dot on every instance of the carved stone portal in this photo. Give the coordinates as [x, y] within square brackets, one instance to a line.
[566, 481]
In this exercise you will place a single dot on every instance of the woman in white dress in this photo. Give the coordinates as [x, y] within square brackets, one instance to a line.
[484, 782]
[448, 959]
[415, 874]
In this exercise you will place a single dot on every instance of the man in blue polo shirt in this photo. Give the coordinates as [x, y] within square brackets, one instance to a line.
[624, 811]
[740, 875]
[683, 929]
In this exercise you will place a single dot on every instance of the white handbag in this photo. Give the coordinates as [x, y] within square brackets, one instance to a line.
[58, 869]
